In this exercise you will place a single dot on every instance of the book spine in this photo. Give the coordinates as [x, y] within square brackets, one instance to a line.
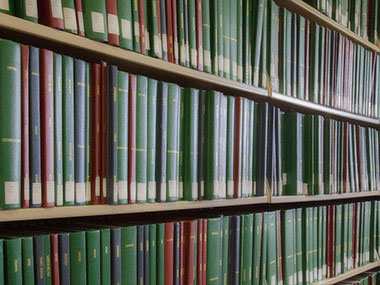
[50, 14]
[237, 174]
[64, 257]
[93, 256]
[205, 252]
[152, 253]
[47, 128]
[95, 21]
[27, 260]
[142, 26]
[112, 120]
[261, 175]
[175, 32]
[257, 241]
[129, 255]
[230, 146]
[192, 34]
[136, 26]
[214, 21]
[115, 256]
[206, 36]
[164, 37]
[39, 265]
[103, 131]
[47, 254]
[183, 33]
[78, 262]
[234, 250]
[132, 140]
[79, 17]
[199, 33]
[105, 263]
[169, 253]
[79, 132]
[189, 251]
[124, 11]
[233, 40]
[112, 22]
[25, 175]
[222, 141]
[87, 136]
[160, 243]
[199, 268]
[69, 16]
[177, 252]
[23, 9]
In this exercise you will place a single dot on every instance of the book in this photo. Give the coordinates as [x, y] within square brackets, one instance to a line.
[112, 22]
[213, 250]
[50, 13]
[124, 12]
[95, 20]
[79, 16]
[103, 130]
[69, 16]
[151, 139]
[23, 9]
[132, 139]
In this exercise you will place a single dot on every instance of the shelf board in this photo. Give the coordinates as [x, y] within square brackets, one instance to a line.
[301, 8]
[327, 197]
[92, 51]
[350, 273]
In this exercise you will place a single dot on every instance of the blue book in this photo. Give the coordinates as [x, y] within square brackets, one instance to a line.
[87, 134]
[115, 255]
[164, 39]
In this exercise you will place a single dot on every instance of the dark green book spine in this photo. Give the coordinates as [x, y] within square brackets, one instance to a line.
[2, 268]
[7, 7]
[213, 250]
[136, 25]
[214, 36]
[160, 253]
[78, 264]
[219, 32]
[47, 257]
[258, 19]
[257, 248]
[233, 39]
[151, 144]
[201, 143]
[26, 10]
[124, 12]
[129, 255]
[152, 254]
[225, 255]
[239, 35]
[105, 263]
[301, 62]
[222, 160]
[140, 254]
[27, 261]
[69, 17]
[10, 128]
[122, 136]
[95, 19]
[227, 26]
[246, 249]
[308, 154]
[13, 261]
[230, 146]
[181, 33]
[247, 64]
[234, 250]
[154, 39]
[192, 34]
[93, 256]
[206, 33]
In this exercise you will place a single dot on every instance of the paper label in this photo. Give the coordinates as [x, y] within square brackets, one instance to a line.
[4, 5]
[207, 58]
[284, 178]
[240, 73]
[104, 190]
[200, 56]
[172, 188]
[304, 188]
[69, 191]
[80, 22]
[180, 189]
[315, 273]
[31, 8]
[56, 9]
[123, 189]
[141, 191]
[164, 43]
[137, 29]
[216, 188]
[175, 49]
[50, 191]
[163, 192]
[151, 190]
[97, 20]
[291, 279]
[230, 188]
[194, 56]
[133, 191]
[113, 24]
[115, 192]
[88, 191]
[324, 269]
[220, 63]
[126, 31]
[234, 69]
[187, 52]
[182, 54]
[194, 190]
[26, 188]
[157, 45]
[97, 186]
[59, 195]
[320, 276]
[300, 279]
[273, 280]
[69, 19]
[338, 268]
[222, 190]
[12, 195]
[147, 40]
[226, 65]
[36, 193]
[310, 276]
[80, 191]
[202, 188]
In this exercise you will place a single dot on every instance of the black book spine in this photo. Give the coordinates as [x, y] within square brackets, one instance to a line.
[262, 149]
[140, 255]
[39, 257]
[177, 240]
[64, 258]
[116, 256]
[234, 251]
[146, 254]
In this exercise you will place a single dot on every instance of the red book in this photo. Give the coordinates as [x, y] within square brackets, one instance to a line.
[189, 252]
[175, 34]
[169, 253]
[95, 164]
[158, 4]
[47, 127]
[142, 27]
[103, 130]
[307, 58]
[132, 140]
[169, 30]
[79, 14]
[204, 254]
[113, 22]
[237, 147]
[199, 252]
[198, 15]
[25, 197]
[50, 13]
[181, 253]
[54, 259]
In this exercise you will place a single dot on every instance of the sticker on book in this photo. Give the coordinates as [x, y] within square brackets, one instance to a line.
[240, 73]
[137, 29]
[56, 9]
[187, 52]
[230, 188]
[30, 8]
[115, 192]
[4, 5]
[163, 192]
[80, 22]
[113, 24]
[164, 43]
[70, 19]
[207, 58]
[69, 191]
[194, 56]
[220, 63]
[157, 46]
[200, 57]
[59, 195]
[50, 191]
[151, 190]
[194, 190]
[176, 49]
[132, 191]
[80, 192]
[36, 193]
[147, 41]
[88, 191]
[222, 191]
[12, 190]
[123, 190]
[26, 188]
[97, 186]
[180, 186]
[202, 189]
[226, 65]
[141, 192]
[104, 188]
[172, 185]
[182, 54]
[97, 21]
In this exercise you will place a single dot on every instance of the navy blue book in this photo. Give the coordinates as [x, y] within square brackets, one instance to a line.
[116, 255]
[146, 254]
[35, 130]
[140, 255]
[79, 123]
[261, 142]
[164, 39]
[64, 257]
[162, 118]
[39, 257]
[176, 259]
[112, 193]
[234, 250]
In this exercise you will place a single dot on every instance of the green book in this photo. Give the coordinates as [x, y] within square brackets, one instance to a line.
[257, 247]
[87, 134]
[212, 145]
[93, 256]
[78, 264]
[192, 34]
[27, 260]
[26, 10]
[105, 255]
[214, 35]
[181, 140]
[47, 257]
[258, 20]
[160, 251]
[263, 72]
[182, 38]
[232, 50]
[10, 128]
[247, 65]
[364, 19]
[69, 16]
[301, 62]
[152, 254]
[272, 40]
[124, 12]
[321, 63]
[246, 247]
[227, 27]
[141, 138]
[225, 255]
[136, 26]
[12, 261]
[2, 268]
[239, 36]
[288, 55]
[129, 255]
[8, 7]
[315, 243]
[190, 147]
[230, 146]
[154, 37]
[151, 137]
[308, 155]
[314, 63]
[271, 276]
[299, 246]
[338, 239]
[68, 129]
[219, 33]
[264, 249]
[95, 19]
[213, 250]
[206, 36]
[287, 246]
[172, 142]
[282, 56]
[146, 26]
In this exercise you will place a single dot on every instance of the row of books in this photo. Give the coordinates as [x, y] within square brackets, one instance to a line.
[294, 246]
[75, 134]
[371, 277]
[245, 41]
[360, 16]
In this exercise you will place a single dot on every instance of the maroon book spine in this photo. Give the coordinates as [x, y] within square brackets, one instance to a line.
[54, 259]
[237, 147]
[169, 30]
[199, 252]
[199, 22]
[175, 34]
[50, 15]
[25, 190]
[181, 253]
[132, 140]
[103, 128]
[204, 254]
[189, 251]
[113, 22]
[142, 27]
[79, 14]
[169, 253]
[47, 127]
[95, 149]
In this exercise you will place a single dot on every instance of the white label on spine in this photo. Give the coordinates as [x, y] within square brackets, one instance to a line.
[69, 19]
[88, 191]
[230, 188]
[113, 24]
[304, 188]
[324, 269]
[26, 188]
[80, 192]
[123, 189]
[115, 192]
[133, 191]
[31, 8]
[194, 190]
[240, 73]
[69, 191]
[291, 279]
[226, 65]
[104, 187]
[36, 193]
[320, 274]
[176, 49]
[194, 56]
[97, 186]
[200, 56]
[163, 192]
[180, 186]
[164, 43]
[216, 188]
[315, 273]
[50, 191]
[182, 54]
[157, 45]
[172, 188]
[234, 69]
[220, 63]
[141, 192]
[273, 279]
[97, 21]
[59, 195]
[187, 52]
[222, 191]
[56, 9]
[4, 5]
[137, 29]
[80, 22]
[12, 195]
[338, 268]
[284, 178]
[202, 188]
[151, 190]
[126, 31]
[207, 58]
[300, 279]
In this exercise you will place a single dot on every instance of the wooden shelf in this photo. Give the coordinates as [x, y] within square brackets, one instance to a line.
[350, 273]
[69, 44]
[301, 8]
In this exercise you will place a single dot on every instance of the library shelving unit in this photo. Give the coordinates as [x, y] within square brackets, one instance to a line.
[69, 44]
